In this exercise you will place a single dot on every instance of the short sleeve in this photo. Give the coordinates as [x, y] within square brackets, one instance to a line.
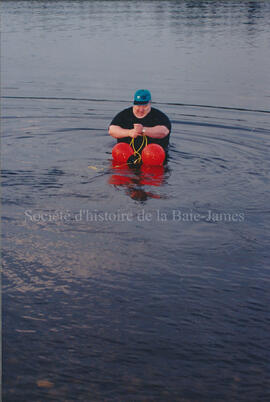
[164, 121]
[159, 119]
[117, 120]
[123, 119]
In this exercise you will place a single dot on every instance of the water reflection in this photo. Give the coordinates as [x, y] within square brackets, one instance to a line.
[134, 180]
[191, 43]
[177, 13]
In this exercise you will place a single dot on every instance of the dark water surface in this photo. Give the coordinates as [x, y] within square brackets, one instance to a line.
[122, 285]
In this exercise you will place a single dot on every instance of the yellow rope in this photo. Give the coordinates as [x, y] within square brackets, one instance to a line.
[137, 151]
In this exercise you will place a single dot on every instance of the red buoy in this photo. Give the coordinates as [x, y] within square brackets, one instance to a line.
[121, 152]
[153, 154]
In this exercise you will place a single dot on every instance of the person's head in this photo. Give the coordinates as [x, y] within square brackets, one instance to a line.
[142, 103]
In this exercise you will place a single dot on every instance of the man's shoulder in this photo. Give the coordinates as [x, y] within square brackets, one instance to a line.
[157, 111]
[122, 115]
[159, 114]
[160, 118]
[128, 110]
[122, 118]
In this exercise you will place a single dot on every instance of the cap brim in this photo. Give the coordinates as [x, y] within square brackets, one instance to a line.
[141, 103]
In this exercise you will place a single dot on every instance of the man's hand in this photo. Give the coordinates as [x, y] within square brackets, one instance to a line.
[136, 131]
[138, 128]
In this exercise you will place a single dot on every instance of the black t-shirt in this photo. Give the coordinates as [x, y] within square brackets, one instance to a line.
[126, 119]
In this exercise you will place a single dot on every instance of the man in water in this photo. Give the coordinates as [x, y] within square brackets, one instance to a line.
[141, 120]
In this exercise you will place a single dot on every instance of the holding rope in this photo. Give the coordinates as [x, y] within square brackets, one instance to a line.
[136, 158]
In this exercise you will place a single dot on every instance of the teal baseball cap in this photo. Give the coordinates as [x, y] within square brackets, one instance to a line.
[142, 97]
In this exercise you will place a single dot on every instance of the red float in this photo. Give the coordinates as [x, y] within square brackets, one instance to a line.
[153, 154]
[121, 152]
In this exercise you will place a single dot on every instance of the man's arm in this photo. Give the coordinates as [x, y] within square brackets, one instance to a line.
[119, 132]
[156, 131]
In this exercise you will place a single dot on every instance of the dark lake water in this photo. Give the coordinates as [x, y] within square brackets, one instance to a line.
[123, 285]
